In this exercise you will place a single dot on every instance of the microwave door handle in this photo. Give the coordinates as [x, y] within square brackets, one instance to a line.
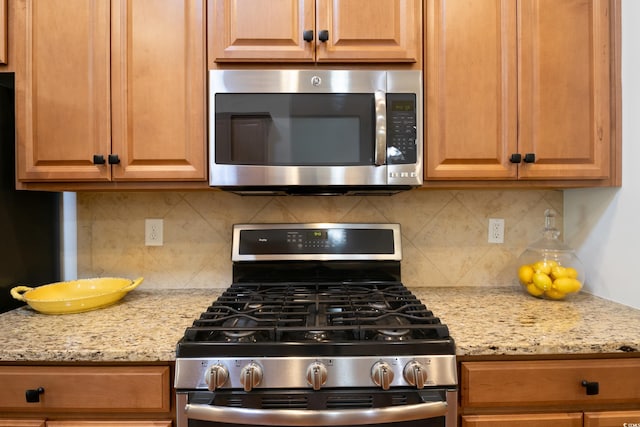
[304, 417]
[380, 154]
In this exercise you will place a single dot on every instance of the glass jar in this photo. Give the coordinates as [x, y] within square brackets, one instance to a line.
[548, 268]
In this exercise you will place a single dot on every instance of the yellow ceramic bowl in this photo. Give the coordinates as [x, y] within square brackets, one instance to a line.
[75, 296]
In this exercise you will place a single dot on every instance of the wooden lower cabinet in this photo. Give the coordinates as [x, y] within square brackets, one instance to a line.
[588, 419]
[86, 396]
[22, 423]
[612, 419]
[550, 393]
[523, 420]
[43, 423]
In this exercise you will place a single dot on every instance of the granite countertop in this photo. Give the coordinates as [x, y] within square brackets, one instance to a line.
[146, 325]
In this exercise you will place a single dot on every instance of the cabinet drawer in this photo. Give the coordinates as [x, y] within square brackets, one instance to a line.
[523, 420]
[86, 389]
[549, 383]
[612, 419]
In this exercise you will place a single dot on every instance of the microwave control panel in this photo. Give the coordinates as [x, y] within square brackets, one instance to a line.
[401, 128]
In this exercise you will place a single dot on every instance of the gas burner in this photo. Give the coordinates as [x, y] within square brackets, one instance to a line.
[319, 336]
[239, 329]
[393, 335]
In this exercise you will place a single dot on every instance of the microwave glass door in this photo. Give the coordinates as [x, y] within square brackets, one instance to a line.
[295, 129]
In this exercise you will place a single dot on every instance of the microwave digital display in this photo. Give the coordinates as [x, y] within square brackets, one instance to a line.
[403, 106]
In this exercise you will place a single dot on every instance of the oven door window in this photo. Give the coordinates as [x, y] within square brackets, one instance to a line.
[294, 129]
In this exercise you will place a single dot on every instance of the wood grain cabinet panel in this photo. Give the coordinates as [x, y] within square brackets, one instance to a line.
[612, 419]
[21, 423]
[549, 384]
[526, 77]
[290, 31]
[4, 32]
[86, 389]
[127, 423]
[524, 420]
[119, 78]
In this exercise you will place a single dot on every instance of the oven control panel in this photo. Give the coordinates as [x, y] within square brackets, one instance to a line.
[317, 241]
[316, 373]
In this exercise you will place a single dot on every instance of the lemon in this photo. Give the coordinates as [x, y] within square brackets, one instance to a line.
[559, 271]
[572, 273]
[544, 266]
[554, 294]
[566, 285]
[525, 274]
[542, 281]
[534, 290]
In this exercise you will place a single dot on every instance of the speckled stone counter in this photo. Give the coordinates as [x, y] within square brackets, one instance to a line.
[146, 325]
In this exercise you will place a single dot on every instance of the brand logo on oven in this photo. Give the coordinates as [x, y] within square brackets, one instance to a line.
[262, 240]
[316, 81]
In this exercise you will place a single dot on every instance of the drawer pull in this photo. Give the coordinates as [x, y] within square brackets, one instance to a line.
[592, 387]
[33, 396]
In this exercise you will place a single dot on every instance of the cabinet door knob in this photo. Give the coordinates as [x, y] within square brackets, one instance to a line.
[114, 159]
[592, 387]
[307, 35]
[323, 35]
[515, 158]
[98, 159]
[530, 158]
[33, 395]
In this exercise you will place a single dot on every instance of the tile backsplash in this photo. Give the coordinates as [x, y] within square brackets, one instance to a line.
[444, 233]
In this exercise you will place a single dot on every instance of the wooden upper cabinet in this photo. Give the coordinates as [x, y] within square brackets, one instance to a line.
[369, 30]
[4, 32]
[124, 78]
[315, 30]
[522, 77]
[260, 30]
[564, 102]
[158, 74]
[63, 112]
[470, 89]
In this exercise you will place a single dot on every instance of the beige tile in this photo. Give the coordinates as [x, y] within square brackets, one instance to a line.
[444, 232]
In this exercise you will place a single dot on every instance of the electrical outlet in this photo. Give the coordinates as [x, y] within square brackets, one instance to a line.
[153, 232]
[496, 230]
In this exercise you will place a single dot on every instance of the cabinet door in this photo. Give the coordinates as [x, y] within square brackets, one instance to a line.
[260, 30]
[21, 423]
[167, 423]
[62, 89]
[523, 420]
[611, 419]
[83, 389]
[564, 48]
[158, 90]
[369, 30]
[3, 32]
[549, 384]
[470, 89]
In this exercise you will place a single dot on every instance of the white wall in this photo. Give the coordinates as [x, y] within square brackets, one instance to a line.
[604, 224]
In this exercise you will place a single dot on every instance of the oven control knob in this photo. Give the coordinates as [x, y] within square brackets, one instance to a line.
[216, 376]
[317, 375]
[250, 376]
[415, 374]
[382, 375]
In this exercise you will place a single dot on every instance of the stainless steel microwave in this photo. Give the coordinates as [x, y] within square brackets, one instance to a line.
[315, 131]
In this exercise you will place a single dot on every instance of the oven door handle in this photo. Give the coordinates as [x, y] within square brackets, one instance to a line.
[303, 417]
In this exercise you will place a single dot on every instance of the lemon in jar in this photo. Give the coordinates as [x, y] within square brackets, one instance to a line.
[544, 266]
[542, 281]
[567, 285]
[534, 290]
[525, 274]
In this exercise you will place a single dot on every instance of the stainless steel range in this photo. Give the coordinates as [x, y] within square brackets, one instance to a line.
[316, 330]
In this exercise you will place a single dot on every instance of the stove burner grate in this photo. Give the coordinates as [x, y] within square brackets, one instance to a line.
[316, 312]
